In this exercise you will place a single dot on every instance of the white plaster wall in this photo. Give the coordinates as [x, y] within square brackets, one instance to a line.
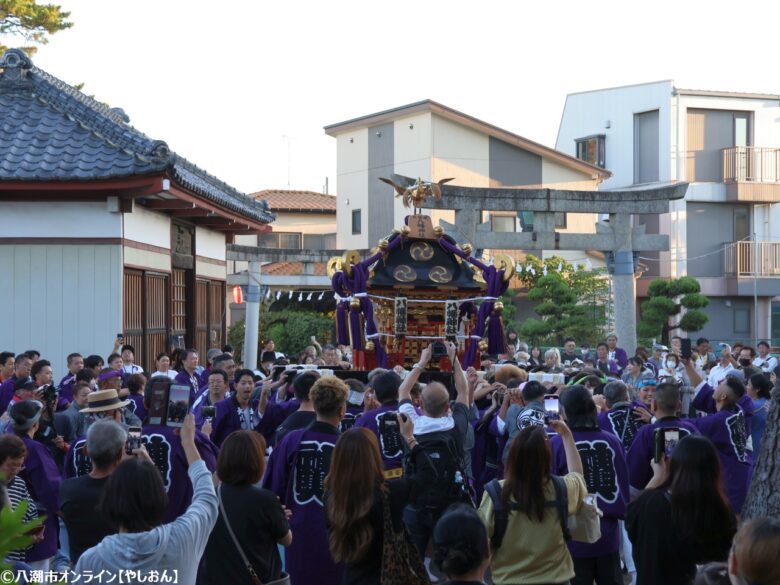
[148, 227]
[352, 187]
[50, 219]
[305, 223]
[587, 113]
[555, 175]
[209, 243]
[61, 299]
[459, 152]
[412, 155]
[209, 270]
[146, 259]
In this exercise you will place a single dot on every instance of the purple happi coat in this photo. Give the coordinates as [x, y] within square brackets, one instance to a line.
[391, 444]
[621, 421]
[729, 430]
[485, 455]
[275, 414]
[227, 419]
[164, 447]
[184, 379]
[606, 475]
[43, 482]
[643, 448]
[296, 474]
[136, 406]
[6, 393]
[65, 388]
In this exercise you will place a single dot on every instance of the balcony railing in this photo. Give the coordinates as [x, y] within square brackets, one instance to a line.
[751, 164]
[761, 259]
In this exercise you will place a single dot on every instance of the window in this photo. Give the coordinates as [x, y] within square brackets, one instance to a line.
[281, 240]
[741, 320]
[502, 223]
[646, 147]
[591, 149]
[356, 221]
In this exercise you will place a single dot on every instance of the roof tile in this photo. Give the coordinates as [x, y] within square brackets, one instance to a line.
[50, 131]
[289, 200]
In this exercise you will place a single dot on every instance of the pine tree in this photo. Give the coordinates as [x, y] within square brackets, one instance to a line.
[30, 21]
[667, 299]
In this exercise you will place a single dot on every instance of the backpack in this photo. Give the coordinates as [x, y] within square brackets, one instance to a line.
[501, 511]
[450, 485]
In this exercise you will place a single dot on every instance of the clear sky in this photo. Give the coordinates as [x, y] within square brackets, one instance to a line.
[232, 84]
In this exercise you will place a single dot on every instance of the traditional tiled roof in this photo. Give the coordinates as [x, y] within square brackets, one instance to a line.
[291, 269]
[287, 200]
[50, 131]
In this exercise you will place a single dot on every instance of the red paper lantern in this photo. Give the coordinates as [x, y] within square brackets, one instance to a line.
[238, 295]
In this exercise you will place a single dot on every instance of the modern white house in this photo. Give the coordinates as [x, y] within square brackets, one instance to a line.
[726, 232]
[432, 141]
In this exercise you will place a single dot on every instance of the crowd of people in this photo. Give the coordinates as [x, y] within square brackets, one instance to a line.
[557, 466]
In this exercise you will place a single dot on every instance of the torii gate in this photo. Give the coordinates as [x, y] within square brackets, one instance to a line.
[617, 239]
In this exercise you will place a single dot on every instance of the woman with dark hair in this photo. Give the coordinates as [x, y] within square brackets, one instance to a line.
[136, 384]
[135, 502]
[355, 502]
[512, 342]
[753, 559]
[461, 549]
[682, 518]
[759, 388]
[536, 358]
[606, 475]
[254, 515]
[533, 549]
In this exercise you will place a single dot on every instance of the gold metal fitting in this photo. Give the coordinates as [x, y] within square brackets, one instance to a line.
[383, 244]
[467, 249]
[406, 230]
[482, 345]
[354, 304]
[370, 346]
[498, 306]
[438, 231]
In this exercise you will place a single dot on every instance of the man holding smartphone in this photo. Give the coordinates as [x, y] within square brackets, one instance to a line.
[107, 441]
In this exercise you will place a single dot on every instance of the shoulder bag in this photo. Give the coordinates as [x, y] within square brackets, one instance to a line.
[285, 580]
[401, 564]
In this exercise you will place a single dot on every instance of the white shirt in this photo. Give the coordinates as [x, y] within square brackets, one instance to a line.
[170, 373]
[131, 369]
[719, 373]
[766, 364]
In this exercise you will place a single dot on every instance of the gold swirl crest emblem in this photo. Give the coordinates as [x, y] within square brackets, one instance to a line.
[421, 251]
[440, 275]
[405, 273]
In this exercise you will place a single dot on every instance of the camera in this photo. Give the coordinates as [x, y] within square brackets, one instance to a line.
[208, 412]
[49, 394]
[438, 350]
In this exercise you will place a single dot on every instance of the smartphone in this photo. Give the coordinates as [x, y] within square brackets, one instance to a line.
[133, 439]
[665, 442]
[178, 405]
[157, 390]
[685, 349]
[208, 412]
[37, 531]
[550, 409]
[120, 335]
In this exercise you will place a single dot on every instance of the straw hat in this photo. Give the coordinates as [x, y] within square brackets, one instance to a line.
[104, 400]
